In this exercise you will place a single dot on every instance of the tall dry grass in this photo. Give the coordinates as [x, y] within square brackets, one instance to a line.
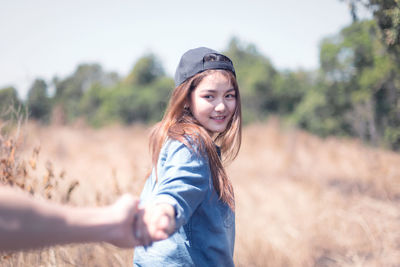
[300, 200]
[304, 201]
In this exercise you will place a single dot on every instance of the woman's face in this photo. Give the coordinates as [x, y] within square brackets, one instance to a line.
[213, 102]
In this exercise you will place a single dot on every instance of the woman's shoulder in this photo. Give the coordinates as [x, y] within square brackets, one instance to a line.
[186, 147]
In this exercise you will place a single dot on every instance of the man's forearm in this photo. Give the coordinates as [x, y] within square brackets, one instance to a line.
[28, 223]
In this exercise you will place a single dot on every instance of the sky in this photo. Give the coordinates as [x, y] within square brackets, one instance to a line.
[47, 38]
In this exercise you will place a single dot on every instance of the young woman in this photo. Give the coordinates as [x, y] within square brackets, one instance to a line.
[188, 198]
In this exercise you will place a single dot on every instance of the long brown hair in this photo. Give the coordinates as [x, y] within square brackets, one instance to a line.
[179, 123]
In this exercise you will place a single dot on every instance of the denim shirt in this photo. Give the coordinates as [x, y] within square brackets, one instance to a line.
[205, 226]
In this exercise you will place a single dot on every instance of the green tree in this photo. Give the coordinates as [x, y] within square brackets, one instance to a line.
[264, 89]
[10, 104]
[70, 90]
[256, 77]
[290, 88]
[141, 97]
[146, 70]
[387, 15]
[357, 92]
[90, 104]
[38, 102]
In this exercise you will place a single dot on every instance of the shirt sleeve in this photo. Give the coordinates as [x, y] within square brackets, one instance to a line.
[183, 180]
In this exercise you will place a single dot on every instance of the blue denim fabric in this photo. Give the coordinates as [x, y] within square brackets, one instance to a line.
[205, 226]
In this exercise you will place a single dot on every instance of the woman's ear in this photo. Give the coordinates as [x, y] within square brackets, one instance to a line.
[187, 104]
[186, 108]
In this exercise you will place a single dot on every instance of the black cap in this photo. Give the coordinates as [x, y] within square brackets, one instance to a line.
[200, 59]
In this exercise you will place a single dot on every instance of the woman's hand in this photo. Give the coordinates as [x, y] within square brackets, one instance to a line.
[154, 222]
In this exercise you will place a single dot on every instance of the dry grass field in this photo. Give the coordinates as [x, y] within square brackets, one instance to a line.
[301, 200]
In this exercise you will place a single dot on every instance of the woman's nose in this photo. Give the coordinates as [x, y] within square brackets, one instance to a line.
[220, 106]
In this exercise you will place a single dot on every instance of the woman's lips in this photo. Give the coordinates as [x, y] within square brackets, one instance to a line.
[218, 118]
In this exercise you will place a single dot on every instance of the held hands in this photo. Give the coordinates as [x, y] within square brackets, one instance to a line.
[30, 223]
[130, 226]
[154, 222]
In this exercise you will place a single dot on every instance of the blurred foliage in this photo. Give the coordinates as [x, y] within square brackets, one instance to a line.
[141, 97]
[387, 15]
[263, 89]
[70, 91]
[10, 105]
[355, 91]
[38, 102]
[146, 70]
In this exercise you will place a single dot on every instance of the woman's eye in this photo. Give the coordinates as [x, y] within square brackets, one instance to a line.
[230, 95]
[208, 96]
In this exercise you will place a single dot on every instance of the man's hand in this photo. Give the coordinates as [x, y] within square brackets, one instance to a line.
[123, 211]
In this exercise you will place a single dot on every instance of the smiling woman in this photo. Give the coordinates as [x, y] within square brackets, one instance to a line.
[188, 194]
[213, 102]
